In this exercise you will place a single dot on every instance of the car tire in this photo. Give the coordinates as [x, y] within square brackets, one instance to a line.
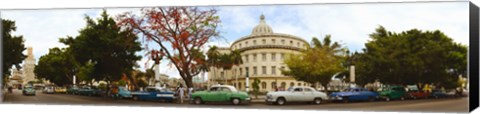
[345, 100]
[198, 100]
[280, 101]
[402, 98]
[387, 99]
[235, 101]
[135, 98]
[371, 99]
[317, 101]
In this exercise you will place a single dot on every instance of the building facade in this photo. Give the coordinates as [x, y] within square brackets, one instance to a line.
[263, 52]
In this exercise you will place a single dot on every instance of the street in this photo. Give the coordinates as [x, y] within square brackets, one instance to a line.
[458, 105]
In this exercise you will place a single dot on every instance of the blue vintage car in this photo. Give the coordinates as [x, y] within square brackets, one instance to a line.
[354, 94]
[154, 94]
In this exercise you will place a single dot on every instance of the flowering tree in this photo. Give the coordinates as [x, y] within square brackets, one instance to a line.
[179, 32]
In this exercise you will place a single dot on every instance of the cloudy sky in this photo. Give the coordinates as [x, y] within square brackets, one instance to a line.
[349, 24]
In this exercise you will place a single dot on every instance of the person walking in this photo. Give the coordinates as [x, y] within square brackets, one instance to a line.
[190, 91]
[181, 93]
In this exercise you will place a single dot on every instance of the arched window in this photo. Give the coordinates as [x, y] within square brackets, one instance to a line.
[264, 85]
[299, 84]
[274, 85]
[239, 85]
[283, 85]
[292, 84]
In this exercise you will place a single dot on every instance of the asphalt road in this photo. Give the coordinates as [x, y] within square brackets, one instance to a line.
[457, 105]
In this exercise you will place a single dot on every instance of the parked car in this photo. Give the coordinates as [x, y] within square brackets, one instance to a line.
[72, 90]
[221, 93]
[154, 94]
[415, 94]
[60, 90]
[86, 90]
[124, 92]
[393, 92]
[354, 94]
[49, 90]
[437, 93]
[296, 94]
[28, 90]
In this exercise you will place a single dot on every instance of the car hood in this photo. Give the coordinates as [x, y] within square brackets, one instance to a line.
[342, 93]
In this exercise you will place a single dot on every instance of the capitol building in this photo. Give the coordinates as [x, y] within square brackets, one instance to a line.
[262, 52]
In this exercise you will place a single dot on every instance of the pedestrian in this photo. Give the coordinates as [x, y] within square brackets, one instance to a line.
[181, 93]
[190, 91]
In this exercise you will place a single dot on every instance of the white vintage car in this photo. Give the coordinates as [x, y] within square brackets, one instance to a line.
[296, 94]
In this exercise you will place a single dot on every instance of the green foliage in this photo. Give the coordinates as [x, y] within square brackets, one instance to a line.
[317, 63]
[113, 50]
[256, 87]
[57, 66]
[122, 83]
[13, 46]
[85, 72]
[411, 57]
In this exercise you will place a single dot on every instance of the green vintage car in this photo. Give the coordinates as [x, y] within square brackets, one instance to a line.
[221, 93]
[393, 92]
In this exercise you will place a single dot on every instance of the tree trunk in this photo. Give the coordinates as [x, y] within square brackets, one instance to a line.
[326, 88]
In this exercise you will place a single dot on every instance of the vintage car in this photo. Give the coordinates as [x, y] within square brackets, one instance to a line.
[296, 94]
[48, 90]
[415, 94]
[442, 94]
[28, 90]
[86, 90]
[60, 90]
[90, 91]
[393, 92]
[354, 94]
[154, 94]
[221, 93]
[72, 90]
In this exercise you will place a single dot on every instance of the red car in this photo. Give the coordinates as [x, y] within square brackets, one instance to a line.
[414, 94]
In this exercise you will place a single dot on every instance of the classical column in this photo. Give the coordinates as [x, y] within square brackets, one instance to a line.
[246, 79]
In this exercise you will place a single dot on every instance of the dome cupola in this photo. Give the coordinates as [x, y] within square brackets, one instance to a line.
[262, 27]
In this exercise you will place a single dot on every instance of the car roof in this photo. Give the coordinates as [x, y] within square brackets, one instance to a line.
[227, 86]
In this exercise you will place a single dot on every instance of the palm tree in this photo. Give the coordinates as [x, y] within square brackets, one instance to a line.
[335, 48]
[213, 59]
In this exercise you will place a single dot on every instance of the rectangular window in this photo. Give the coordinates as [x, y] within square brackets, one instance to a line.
[246, 58]
[274, 56]
[246, 43]
[283, 42]
[298, 44]
[264, 69]
[264, 57]
[273, 41]
[246, 72]
[274, 70]
[255, 57]
[264, 41]
[254, 70]
[241, 72]
[291, 43]
[254, 42]
[282, 56]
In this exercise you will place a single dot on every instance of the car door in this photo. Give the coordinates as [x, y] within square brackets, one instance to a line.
[223, 94]
[152, 94]
[308, 94]
[211, 94]
[296, 95]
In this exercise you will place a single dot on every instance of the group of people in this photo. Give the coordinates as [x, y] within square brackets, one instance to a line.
[180, 93]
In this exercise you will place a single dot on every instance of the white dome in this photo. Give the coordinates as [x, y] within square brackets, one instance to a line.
[262, 27]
